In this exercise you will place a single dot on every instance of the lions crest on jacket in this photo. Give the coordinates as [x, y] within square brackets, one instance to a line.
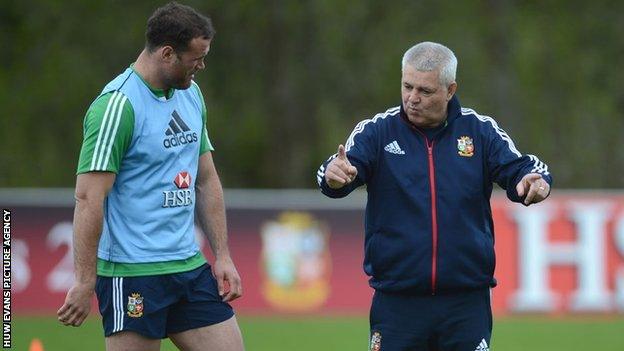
[465, 147]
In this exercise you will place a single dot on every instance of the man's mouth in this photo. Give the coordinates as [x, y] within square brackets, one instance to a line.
[412, 109]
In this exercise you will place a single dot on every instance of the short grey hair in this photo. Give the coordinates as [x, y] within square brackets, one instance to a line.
[428, 56]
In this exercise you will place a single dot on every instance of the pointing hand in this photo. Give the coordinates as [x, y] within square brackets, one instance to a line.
[339, 171]
[535, 188]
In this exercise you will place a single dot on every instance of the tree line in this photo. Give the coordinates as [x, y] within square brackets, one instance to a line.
[286, 81]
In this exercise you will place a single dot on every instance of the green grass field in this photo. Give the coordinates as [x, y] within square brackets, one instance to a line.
[346, 333]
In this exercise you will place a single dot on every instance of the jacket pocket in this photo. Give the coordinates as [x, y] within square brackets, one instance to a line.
[369, 252]
[488, 252]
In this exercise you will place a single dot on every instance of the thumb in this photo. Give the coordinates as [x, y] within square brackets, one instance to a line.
[342, 154]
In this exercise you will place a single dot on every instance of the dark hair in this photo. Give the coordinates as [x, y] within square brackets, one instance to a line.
[176, 25]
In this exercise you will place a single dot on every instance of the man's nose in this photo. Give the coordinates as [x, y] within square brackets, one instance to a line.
[201, 65]
[414, 97]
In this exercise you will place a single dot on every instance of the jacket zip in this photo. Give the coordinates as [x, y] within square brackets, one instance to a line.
[434, 220]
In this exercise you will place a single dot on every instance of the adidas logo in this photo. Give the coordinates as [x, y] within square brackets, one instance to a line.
[394, 148]
[483, 346]
[178, 132]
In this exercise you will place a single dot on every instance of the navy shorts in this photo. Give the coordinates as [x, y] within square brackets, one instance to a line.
[449, 322]
[155, 306]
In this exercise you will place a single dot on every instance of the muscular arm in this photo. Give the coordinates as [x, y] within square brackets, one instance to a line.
[91, 189]
[209, 207]
[210, 212]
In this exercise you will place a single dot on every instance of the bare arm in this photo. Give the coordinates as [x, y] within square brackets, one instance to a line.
[210, 211]
[91, 189]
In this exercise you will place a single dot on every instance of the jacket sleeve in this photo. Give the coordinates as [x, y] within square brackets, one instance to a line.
[506, 165]
[361, 151]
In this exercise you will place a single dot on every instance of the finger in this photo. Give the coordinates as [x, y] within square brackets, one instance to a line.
[62, 319]
[66, 314]
[526, 182]
[520, 188]
[342, 166]
[541, 192]
[220, 283]
[229, 292]
[352, 171]
[232, 295]
[531, 195]
[342, 154]
[236, 287]
[531, 177]
[79, 319]
[62, 310]
[543, 187]
[67, 319]
[228, 297]
[73, 319]
[334, 184]
[337, 175]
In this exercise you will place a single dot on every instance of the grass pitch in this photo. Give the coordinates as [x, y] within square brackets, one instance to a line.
[345, 333]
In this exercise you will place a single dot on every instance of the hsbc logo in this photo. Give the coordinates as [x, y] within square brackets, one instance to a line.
[181, 197]
[182, 180]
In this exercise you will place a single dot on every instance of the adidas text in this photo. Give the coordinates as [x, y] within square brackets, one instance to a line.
[180, 139]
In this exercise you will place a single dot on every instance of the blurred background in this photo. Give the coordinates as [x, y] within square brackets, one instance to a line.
[285, 83]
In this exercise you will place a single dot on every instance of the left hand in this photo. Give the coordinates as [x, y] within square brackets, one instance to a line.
[535, 188]
[225, 271]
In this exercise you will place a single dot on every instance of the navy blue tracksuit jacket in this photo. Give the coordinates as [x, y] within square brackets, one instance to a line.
[428, 223]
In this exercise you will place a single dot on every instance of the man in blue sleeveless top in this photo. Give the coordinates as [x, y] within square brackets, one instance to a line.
[145, 171]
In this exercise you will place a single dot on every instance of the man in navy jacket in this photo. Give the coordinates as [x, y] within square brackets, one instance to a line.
[429, 166]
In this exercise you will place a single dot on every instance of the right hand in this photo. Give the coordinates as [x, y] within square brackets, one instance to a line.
[77, 305]
[224, 272]
[339, 171]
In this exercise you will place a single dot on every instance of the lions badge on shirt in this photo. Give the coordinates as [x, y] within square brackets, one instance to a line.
[465, 147]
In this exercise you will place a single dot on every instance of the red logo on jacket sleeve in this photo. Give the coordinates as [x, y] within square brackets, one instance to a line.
[182, 180]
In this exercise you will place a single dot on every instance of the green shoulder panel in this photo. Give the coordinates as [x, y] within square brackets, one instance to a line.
[108, 128]
[205, 145]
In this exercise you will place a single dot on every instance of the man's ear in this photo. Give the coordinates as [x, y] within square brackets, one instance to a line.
[166, 53]
[451, 91]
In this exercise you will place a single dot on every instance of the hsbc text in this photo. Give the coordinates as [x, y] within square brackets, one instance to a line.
[176, 198]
